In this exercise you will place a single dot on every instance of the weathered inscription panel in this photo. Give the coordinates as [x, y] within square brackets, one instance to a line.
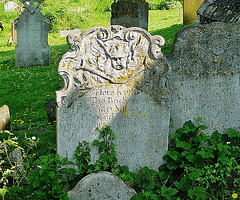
[205, 76]
[116, 82]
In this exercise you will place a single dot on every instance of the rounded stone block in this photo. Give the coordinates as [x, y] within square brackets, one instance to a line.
[101, 186]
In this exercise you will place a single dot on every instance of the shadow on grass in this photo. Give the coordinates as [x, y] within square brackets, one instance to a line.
[168, 34]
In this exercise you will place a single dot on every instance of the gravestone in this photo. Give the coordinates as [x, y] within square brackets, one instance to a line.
[10, 6]
[227, 11]
[190, 8]
[130, 13]
[115, 76]
[103, 185]
[205, 76]
[32, 36]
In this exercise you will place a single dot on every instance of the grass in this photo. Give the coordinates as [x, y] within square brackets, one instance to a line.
[26, 90]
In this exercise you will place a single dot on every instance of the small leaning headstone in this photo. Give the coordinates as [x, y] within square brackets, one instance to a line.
[130, 13]
[101, 186]
[32, 36]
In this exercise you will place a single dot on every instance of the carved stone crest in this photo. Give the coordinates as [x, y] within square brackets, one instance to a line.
[113, 55]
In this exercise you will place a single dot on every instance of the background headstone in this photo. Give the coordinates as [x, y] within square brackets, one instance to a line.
[32, 36]
[227, 11]
[130, 13]
[205, 76]
[115, 76]
[10, 6]
[102, 186]
[190, 8]
[4, 117]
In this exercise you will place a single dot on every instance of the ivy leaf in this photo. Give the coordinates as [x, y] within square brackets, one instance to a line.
[190, 158]
[174, 154]
[184, 145]
[205, 154]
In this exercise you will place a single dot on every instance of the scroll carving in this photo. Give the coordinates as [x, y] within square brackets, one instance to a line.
[113, 55]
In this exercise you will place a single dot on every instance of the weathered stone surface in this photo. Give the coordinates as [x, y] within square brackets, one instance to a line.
[190, 8]
[4, 117]
[70, 32]
[16, 157]
[227, 11]
[115, 76]
[101, 186]
[10, 6]
[32, 36]
[205, 76]
[130, 13]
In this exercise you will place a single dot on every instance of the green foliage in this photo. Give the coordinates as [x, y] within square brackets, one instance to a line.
[46, 178]
[166, 5]
[11, 168]
[106, 150]
[198, 166]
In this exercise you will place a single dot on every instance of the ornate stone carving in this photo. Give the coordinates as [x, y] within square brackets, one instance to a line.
[113, 55]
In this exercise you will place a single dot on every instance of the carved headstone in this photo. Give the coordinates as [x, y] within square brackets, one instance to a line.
[10, 6]
[115, 76]
[130, 13]
[103, 185]
[190, 8]
[4, 117]
[205, 76]
[227, 11]
[32, 36]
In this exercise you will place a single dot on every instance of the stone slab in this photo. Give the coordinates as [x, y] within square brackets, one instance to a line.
[205, 76]
[101, 186]
[70, 32]
[115, 76]
[32, 38]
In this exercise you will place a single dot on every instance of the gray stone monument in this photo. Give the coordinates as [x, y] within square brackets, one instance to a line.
[32, 36]
[130, 13]
[205, 76]
[101, 186]
[115, 76]
[227, 11]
